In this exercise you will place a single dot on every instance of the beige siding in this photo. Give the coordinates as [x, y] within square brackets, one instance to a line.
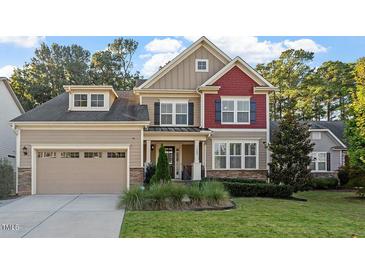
[260, 136]
[72, 137]
[187, 154]
[183, 76]
[150, 101]
[81, 175]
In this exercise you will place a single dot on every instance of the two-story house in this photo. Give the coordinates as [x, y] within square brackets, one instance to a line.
[210, 112]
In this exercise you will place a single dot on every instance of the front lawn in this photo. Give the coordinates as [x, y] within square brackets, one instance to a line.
[325, 214]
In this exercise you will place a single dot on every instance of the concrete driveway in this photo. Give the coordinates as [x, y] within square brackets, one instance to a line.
[61, 216]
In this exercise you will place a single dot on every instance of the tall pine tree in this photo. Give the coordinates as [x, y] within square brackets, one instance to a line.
[290, 149]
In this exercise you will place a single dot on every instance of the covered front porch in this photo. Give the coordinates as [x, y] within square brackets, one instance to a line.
[185, 149]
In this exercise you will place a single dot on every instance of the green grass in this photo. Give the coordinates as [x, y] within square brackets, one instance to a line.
[325, 214]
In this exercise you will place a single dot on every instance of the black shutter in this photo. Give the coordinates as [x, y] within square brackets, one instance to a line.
[253, 112]
[328, 161]
[157, 113]
[217, 110]
[191, 113]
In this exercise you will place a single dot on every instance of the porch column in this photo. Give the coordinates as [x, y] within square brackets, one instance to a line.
[204, 157]
[148, 151]
[196, 170]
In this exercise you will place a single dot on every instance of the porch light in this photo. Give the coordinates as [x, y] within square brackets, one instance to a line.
[25, 150]
[152, 147]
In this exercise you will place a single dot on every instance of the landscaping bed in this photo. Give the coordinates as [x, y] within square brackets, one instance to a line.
[170, 196]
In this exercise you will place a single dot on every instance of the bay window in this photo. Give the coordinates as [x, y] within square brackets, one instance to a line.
[235, 154]
[319, 161]
[235, 111]
[174, 114]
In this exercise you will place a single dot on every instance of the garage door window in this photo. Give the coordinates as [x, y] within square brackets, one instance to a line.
[116, 154]
[46, 154]
[70, 155]
[93, 154]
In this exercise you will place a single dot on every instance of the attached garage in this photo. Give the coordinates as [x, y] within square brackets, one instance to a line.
[72, 171]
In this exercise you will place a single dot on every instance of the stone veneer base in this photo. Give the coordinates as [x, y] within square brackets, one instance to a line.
[243, 174]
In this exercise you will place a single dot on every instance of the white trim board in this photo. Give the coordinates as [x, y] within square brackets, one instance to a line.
[79, 147]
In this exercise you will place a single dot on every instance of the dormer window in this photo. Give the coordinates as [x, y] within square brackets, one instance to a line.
[97, 100]
[201, 65]
[80, 100]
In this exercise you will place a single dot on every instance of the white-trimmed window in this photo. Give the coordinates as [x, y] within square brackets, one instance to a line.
[316, 135]
[174, 113]
[116, 154]
[97, 100]
[70, 154]
[235, 154]
[80, 100]
[93, 154]
[220, 155]
[235, 111]
[250, 155]
[201, 65]
[46, 154]
[319, 161]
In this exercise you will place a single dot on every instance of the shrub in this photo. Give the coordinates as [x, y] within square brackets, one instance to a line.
[7, 178]
[259, 190]
[214, 192]
[361, 192]
[343, 175]
[195, 194]
[236, 180]
[356, 181]
[157, 195]
[150, 171]
[162, 174]
[323, 183]
[133, 199]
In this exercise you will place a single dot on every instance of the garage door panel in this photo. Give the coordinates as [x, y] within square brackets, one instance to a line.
[81, 175]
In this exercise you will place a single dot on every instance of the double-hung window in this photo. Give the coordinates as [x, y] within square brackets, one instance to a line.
[319, 161]
[80, 100]
[235, 111]
[174, 114]
[235, 155]
[97, 100]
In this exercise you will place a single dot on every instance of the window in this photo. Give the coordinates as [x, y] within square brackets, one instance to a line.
[201, 65]
[97, 100]
[235, 111]
[116, 154]
[316, 135]
[236, 155]
[174, 114]
[250, 155]
[220, 153]
[46, 154]
[166, 114]
[319, 161]
[93, 155]
[70, 155]
[80, 100]
[181, 114]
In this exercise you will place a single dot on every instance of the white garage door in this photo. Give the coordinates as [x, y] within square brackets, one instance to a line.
[76, 171]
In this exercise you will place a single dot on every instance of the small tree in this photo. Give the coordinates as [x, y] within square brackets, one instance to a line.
[7, 179]
[162, 174]
[290, 149]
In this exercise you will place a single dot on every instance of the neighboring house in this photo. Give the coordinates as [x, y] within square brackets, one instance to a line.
[330, 147]
[210, 112]
[10, 108]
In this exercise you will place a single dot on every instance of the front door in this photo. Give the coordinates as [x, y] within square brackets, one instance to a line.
[170, 152]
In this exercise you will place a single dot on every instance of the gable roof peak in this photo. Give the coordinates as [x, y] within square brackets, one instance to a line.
[180, 57]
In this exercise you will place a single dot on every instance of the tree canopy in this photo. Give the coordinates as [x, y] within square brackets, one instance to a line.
[54, 66]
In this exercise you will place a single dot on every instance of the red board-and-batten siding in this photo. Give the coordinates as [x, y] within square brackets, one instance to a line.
[235, 83]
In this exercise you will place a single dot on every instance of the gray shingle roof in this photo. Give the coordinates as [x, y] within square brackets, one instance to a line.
[336, 127]
[56, 109]
[174, 129]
